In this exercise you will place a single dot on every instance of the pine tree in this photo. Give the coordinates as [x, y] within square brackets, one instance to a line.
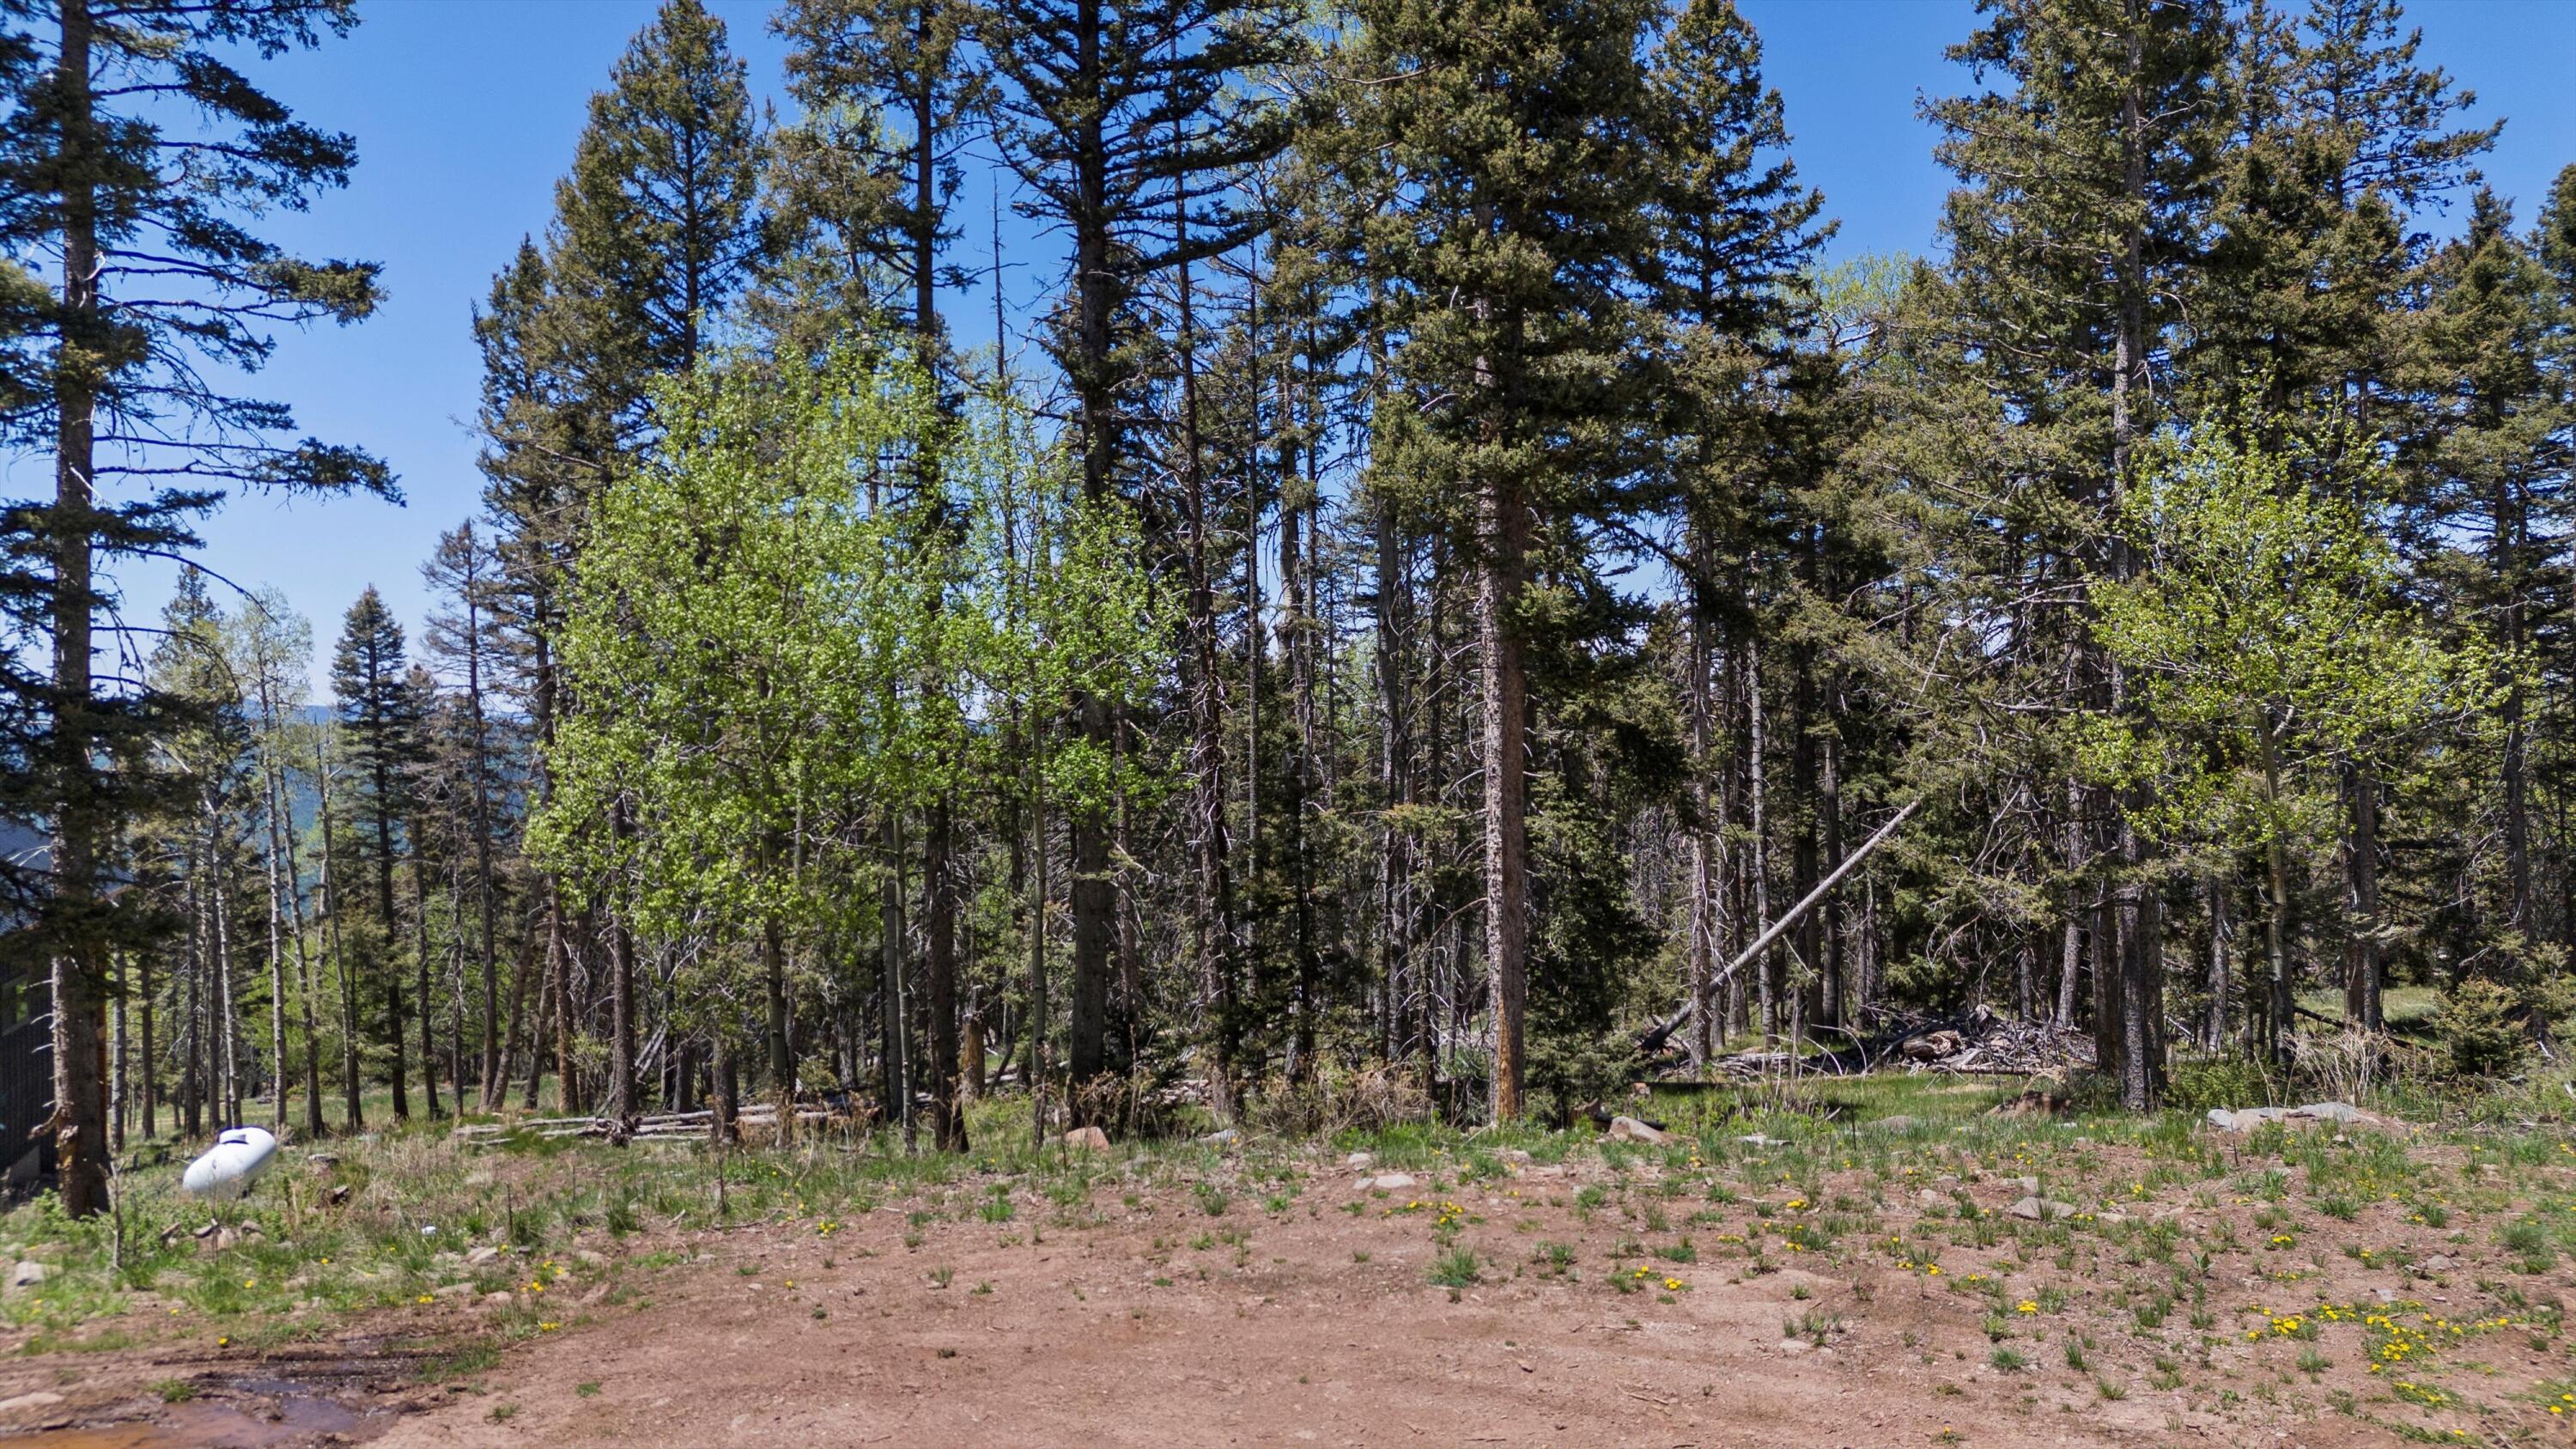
[462, 637]
[380, 731]
[160, 277]
[1507, 268]
[1734, 233]
[2086, 181]
[1114, 119]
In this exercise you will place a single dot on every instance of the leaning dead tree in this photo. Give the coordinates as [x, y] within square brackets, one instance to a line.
[1654, 1038]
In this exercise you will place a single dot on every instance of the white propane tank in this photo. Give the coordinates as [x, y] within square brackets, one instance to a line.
[239, 1156]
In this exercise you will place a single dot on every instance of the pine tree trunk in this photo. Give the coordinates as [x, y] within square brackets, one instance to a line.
[1502, 529]
[78, 837]
[354, 1118]
[420, 981]
[2361, 1001]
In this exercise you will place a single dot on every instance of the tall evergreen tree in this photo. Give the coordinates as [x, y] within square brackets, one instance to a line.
[380, 730]
[160, 275]
[1116, 117]
[2087, 179]
[1518, 130]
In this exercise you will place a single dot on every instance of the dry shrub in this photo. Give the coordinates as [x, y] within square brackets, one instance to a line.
[1370, 1099]
[2353, 1064]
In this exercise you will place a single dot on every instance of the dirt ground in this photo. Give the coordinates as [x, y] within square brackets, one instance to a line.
[1168, 1317]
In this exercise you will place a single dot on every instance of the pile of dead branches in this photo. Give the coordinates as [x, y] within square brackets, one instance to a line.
[1979, 1040]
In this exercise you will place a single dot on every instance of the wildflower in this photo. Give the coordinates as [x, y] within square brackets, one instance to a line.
[425, 1298]
[2026, 1306]
[548, 1327]
[1673, 1284]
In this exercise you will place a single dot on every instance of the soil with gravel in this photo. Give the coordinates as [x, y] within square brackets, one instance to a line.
[1148, 1319]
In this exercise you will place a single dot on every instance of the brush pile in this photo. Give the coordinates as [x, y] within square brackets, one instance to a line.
[1977, 1041]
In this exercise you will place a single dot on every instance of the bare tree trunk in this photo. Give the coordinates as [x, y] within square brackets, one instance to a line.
[898, 1007]
[2362, 970]
[2221, 936]
[79, 826]
[947, 1117]
[335, 941]
[1502, 528]
[420, 963]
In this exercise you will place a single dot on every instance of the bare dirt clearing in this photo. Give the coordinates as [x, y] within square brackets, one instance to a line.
[2002, 1283]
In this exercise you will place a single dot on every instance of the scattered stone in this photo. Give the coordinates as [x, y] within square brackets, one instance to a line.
[336, 1194]
[1516, 1157]
[1087, 1139]
[2246, 1119]
[1756, 1139]
[2437, 1264]
[457, 1291]
[481, 1256]
[1223, 1137]
[40, 1399]
[1358, 1161]
[590, 1258]
[2040, 1209]
[1391, 1182]
[1930, 1198]
[28, 1275]
[1629, 1129]
[1792, 1347]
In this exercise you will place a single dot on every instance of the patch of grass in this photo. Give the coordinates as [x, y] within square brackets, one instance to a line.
[1454, 1269]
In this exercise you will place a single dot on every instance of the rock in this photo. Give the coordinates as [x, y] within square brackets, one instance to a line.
[1756, 1139]
[1087, 1139]
[1895, 1124]
[495, 1301]
[481, 1256]
[1629, 1129]
[40, 1399]
[28, 1275]
[1358, 1161]
[1792, 1347]
[2438, 1263]
[335, 1195]
[2040, 1209]
[2027, 1184]
[2222, 1119]
[458, 1291]
[1929, 1198]
[1391, 1182]
[590, 1258]
[1515, 1157]
[1222, 1138]
[2343, 1112]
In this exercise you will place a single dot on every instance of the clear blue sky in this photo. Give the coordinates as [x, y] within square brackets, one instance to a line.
[465, 113]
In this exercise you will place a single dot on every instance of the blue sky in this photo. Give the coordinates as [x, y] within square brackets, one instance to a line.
[465, 113]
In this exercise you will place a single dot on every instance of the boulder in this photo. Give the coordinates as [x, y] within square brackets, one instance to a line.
[1391, 1182]
[1629, 1129]
[28, 1275]
[2040, 1209]
[1087, 1139]
[481, 1256]
[1358, 1161]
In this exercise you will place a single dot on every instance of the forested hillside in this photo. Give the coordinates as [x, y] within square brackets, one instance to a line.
[1450, 570]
